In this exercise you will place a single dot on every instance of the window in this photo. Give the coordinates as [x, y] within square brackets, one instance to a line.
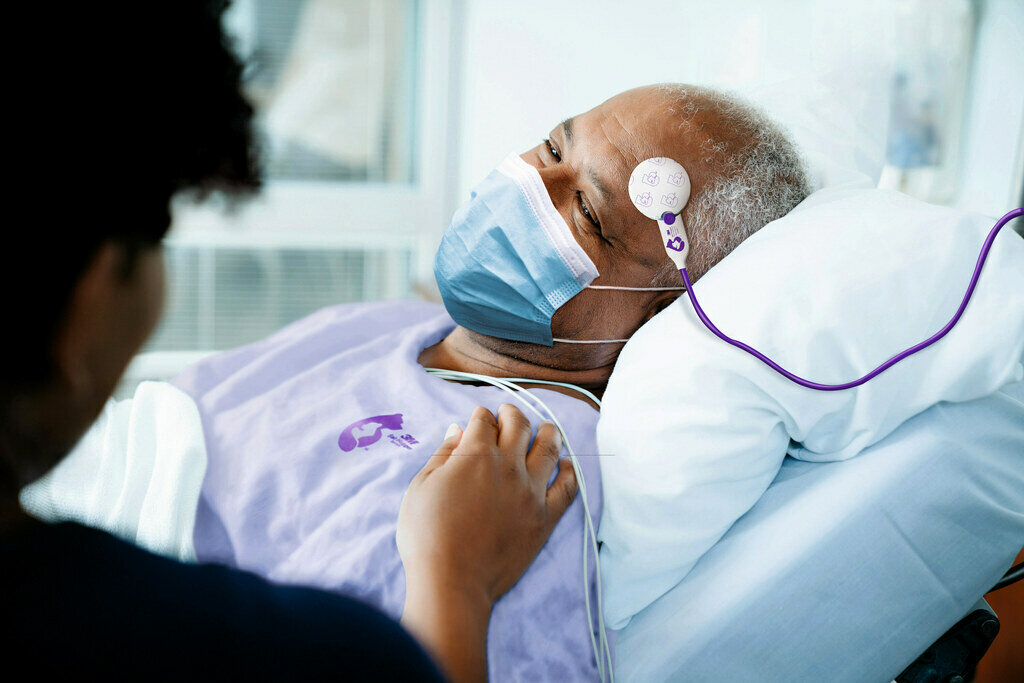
[353, 107]
[334, 86]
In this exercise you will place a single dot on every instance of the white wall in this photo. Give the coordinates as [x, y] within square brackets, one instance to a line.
[528, 64]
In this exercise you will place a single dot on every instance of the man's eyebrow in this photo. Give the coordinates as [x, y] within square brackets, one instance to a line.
[602, 189]
[599, 184]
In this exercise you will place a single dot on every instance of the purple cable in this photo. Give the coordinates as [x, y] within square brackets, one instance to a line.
[1016, 213]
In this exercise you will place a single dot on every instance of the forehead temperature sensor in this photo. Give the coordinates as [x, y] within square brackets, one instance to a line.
[659, 188]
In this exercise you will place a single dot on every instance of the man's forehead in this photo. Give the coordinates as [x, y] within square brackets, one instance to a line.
[638, 123]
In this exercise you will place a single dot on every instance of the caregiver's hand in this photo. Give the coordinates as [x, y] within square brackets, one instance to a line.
[471, 522]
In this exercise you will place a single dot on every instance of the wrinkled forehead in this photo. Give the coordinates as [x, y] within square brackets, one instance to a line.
[640, 122]
[618, 134]
[628, 128]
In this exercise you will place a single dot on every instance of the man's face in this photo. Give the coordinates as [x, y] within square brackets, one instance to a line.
[585, 164]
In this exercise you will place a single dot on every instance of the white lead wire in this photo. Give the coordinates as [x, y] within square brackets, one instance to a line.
[605, 647]
[581, 390]
[506, 386]
[589, 341]
[602, 653]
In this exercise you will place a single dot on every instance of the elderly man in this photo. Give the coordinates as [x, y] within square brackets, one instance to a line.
[744, 174]
[314, 434]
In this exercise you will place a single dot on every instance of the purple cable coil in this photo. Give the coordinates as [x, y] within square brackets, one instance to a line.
[1016, 213]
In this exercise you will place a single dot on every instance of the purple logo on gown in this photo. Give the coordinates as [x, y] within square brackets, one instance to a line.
[359, 434]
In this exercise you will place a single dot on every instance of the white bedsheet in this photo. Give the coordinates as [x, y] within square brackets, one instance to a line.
[847, 571]
[136, 473]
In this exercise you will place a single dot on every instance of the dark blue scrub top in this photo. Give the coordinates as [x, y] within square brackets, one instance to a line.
[80, 601]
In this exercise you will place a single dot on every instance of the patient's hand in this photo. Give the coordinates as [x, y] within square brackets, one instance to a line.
[471, 522]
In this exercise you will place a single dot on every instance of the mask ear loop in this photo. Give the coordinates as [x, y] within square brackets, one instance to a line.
[637, 289]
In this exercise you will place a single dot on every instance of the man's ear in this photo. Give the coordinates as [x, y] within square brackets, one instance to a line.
[87, 314]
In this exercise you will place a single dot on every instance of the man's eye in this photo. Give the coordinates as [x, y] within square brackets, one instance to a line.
[551, 149]
[586, 211]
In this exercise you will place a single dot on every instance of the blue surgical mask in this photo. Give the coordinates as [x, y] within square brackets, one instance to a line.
[508, 260]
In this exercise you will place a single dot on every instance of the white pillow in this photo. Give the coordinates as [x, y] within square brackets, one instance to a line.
[696, 429]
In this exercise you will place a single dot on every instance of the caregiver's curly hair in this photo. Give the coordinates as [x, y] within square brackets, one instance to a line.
[119, 106]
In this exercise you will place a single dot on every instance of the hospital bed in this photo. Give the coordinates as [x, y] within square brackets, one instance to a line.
[849, 571]
[844, 571]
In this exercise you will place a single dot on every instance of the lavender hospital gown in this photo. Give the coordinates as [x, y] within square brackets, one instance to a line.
[313, 436]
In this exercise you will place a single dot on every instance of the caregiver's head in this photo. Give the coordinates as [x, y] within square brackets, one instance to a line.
[744, 173]
[103, 144]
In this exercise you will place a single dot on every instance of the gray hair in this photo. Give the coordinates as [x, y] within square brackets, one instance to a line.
[758, 174]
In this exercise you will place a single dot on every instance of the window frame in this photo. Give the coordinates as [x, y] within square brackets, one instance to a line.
[341, 214]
